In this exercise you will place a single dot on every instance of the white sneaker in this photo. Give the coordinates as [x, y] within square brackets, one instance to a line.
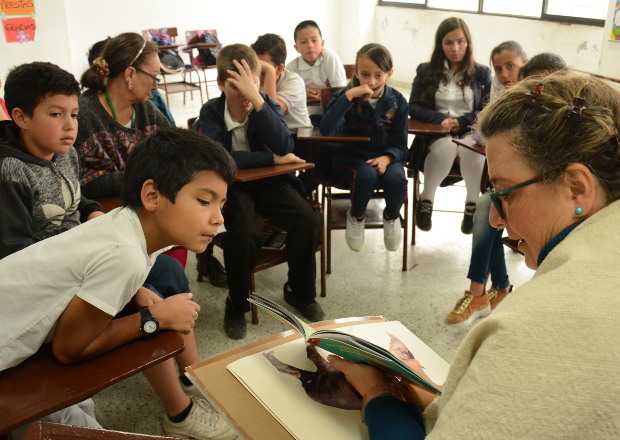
[392, 234]
[355, 232]
[202, 423]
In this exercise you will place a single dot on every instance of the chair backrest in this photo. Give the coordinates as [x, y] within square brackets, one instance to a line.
[349, 70]
[161, 36]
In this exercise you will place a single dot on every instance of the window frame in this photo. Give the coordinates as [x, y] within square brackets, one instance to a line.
[543, 13]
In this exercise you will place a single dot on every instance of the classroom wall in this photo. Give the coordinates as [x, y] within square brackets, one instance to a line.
[409, 34]
[67, 28]
[236, 21]
[610, 58]
[50, 39]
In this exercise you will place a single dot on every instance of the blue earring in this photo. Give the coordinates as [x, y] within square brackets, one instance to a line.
[578, 211]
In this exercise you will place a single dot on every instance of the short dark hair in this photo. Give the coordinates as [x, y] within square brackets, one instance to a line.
[511, 46]
[542, 64]
[306, 24]
[272, 45]
[28, 84]
[172, 157]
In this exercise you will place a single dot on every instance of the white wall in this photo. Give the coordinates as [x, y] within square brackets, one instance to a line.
[409, 34]
[236, 21]
[610, 59]
[50, 39]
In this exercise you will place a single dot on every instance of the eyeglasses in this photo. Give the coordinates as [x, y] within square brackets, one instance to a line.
[150, 75]
[497, 196]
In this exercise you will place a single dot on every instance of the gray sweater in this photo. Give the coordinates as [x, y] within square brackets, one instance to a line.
[38, 198]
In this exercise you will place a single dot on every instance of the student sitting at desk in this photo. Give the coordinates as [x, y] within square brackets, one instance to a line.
[250, 127]
[72, 289]
[284, 87]
[369, 107]
[449, 90]
[318, 66]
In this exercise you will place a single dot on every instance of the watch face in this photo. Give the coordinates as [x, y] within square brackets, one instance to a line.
[150, 327]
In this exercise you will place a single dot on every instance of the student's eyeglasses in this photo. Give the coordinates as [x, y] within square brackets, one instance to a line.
[150, 75]
[497, 196]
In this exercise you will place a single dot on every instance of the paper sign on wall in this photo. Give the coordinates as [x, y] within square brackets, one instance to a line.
[19, 30]
[17, 7]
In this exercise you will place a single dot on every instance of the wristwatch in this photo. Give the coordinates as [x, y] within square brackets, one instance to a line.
[149, 325]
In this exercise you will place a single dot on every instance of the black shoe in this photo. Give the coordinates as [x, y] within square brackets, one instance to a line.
[234, 322]
[211, 267]
[423, 215]
[467, 225]
[311, 311]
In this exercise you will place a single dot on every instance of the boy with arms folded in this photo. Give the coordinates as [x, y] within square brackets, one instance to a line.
[250, 127]
[174, 186]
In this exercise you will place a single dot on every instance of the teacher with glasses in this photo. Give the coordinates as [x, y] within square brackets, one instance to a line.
[546, 364]
[115, 111]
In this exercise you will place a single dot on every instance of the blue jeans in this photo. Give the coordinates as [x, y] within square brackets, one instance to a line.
[487, 253]
[167, 277]
[367, 179]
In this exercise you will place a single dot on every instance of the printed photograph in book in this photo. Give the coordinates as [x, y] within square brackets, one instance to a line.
[328, 386]
[296, 384]
[398, 362]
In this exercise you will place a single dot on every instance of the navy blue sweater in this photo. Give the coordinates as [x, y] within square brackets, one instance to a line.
[386, 124]
[267, 132]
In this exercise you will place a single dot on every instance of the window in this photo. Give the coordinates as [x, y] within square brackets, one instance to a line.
[592, 12]
[458, 5]
[593, 9]
[526, 8]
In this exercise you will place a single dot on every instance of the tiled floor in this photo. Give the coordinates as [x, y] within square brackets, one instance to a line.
[368, 282]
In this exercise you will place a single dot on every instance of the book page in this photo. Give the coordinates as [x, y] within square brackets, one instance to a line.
[275, 379]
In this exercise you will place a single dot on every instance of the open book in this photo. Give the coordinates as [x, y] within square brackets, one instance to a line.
[347, 346]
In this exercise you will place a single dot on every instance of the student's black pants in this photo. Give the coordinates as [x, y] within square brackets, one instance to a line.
[279, 202]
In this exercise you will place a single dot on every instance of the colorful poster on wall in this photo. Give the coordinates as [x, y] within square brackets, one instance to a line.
[615, 25]
[17, 7]
[19, 30]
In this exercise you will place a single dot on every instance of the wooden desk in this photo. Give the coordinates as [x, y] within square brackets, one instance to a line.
[417, 127]
[250, 174]
[55, 431]
[313, 134]
[248, 416]
[40, 385]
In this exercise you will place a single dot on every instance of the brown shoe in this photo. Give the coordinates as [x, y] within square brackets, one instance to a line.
[496, 296]
[469, 308]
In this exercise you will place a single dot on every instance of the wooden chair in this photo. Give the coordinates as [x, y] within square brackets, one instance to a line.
[55, 431]
[421, 128]
[165, 38]
[40, 385]
[202, 39]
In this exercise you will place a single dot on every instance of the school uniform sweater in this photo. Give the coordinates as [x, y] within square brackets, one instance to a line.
[423, 108]
[38, 198]
[267, 133]
[385, 123]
